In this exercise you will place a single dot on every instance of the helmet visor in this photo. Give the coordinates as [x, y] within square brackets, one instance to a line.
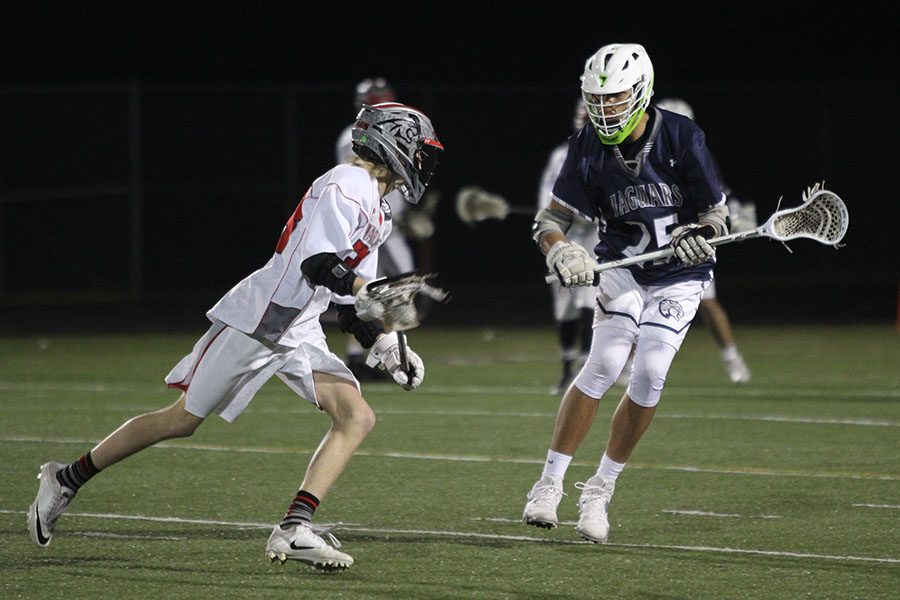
[427, 159]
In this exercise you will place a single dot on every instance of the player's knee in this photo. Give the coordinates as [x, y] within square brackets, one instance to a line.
[180, 423]
[647, 382]
[357, 417]
[364, 419]
[597, 377]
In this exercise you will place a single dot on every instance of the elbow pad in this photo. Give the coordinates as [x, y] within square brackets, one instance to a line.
[549, 219]
[328, 270]
[365, 332]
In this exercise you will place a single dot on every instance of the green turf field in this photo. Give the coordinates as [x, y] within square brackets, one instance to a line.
[786, 488]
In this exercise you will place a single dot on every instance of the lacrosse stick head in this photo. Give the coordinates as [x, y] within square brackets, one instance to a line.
[396, 297]
[822, 217]
[474, 205]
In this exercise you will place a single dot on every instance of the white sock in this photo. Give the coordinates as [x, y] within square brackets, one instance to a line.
[609, 469]
[730, 352]
[556, 464]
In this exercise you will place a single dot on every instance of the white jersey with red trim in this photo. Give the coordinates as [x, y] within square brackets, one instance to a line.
[341, 213]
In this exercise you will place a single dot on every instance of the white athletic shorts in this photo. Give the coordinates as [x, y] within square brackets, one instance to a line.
[227, 368]
[661, 312]
[710, 292]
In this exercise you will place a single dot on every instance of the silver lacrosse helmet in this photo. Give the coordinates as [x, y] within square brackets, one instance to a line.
[676, 105]
[616, 86]
[373, 91]
[403, 139]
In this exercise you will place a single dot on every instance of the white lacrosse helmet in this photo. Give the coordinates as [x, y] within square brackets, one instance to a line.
[614, 69]
[676, 105]
[403, 139]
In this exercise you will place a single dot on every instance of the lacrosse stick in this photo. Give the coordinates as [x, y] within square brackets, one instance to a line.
[392, 300]
[474, 205]
[822, 217]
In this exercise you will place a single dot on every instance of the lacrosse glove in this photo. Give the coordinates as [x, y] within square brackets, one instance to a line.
[385, 355]
[573, 265]
[690, 245]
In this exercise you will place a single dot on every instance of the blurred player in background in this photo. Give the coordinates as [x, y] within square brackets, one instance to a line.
[396, 256]
[573, 308]
[743, 218]
[268, 325]
[647, 176]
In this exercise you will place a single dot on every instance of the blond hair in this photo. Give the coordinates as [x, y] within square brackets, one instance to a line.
[378, 171]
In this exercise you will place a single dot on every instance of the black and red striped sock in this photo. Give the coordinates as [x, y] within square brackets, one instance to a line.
[301, 510]
[78, 473]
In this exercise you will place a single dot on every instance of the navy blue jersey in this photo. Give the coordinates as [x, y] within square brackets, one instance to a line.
[639, 202]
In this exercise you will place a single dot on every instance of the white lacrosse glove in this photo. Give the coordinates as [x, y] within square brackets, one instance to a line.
[573, 265]
[690, 245]
[385, 355]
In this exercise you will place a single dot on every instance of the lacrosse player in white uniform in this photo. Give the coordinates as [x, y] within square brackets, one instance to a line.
[268, 324]
[573, 308]
[743, 218]
[395, 255]
[649, 179]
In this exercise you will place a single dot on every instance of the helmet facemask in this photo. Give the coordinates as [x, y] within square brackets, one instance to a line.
[403, 139]
[617, 86]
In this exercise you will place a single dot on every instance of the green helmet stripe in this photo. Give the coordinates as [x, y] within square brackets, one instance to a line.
[619, 136]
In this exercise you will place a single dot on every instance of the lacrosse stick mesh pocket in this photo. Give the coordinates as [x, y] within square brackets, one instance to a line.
[824, 219]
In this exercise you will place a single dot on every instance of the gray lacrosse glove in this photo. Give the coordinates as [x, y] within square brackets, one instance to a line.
[385, 355]
[690, 245]
[573, 265]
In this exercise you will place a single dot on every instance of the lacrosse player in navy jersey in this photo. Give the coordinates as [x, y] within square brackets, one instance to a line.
[573, 308]
[649, 179]
[268, 325]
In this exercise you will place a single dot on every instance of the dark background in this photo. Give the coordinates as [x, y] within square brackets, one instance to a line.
[150, 154]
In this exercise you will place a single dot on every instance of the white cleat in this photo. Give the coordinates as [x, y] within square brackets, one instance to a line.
[51, 501]
[737, 370]
[544, 497]
[301, 543]
[593, 506]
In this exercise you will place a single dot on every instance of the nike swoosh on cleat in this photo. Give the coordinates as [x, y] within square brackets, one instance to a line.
[40, 534]
[295, 547]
